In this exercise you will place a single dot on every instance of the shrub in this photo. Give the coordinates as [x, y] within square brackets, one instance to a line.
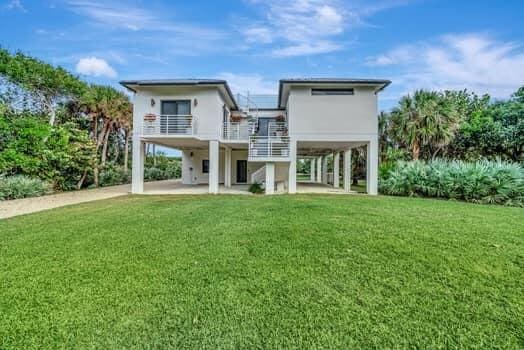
[483, 181]
[153, 174]
[21, 186]
[173, 170]
[114, 175]
[256, 188]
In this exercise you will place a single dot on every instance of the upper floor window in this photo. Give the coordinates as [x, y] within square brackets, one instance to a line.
[176, 107]
[323, 92]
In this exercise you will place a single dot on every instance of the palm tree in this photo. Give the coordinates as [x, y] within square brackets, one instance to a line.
[426, 119]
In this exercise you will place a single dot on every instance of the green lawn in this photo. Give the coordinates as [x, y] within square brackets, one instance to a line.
[300, 271]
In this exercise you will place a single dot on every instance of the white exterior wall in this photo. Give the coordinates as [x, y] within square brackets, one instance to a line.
[332, 117]
[207, 114]
[196, 176]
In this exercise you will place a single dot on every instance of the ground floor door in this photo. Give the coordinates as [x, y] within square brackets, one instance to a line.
[241, 171]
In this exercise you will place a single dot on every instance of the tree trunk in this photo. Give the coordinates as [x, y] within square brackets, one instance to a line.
[126, 150]
[104, 148]
[95, 172]
[154, 154]
[436, 152]
[102, 135]
[81, 181]
[52, 116]
[416, 150]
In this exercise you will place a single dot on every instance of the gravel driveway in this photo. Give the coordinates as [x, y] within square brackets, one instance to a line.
[31, 205]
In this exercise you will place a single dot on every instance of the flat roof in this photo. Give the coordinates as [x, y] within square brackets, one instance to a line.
[283, 89]
[129, 84]
[380, 84]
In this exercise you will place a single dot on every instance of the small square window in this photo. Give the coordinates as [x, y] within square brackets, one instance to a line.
[205, 166]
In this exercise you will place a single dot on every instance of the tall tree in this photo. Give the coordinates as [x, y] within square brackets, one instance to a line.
[46, 85]
[424, 119]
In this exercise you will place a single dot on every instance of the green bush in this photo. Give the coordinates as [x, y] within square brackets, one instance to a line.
[173, 170]
[114, 175]
[21, 186]
[154, 174]
[256, 188]
[484, 181]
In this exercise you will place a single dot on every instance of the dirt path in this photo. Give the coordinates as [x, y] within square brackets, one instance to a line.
[31, 205]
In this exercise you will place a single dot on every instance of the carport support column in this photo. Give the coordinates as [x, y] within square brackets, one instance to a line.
[270, 178]
[213, 166]
[312, 170]
[227, 170]
[372, 167]
[325, 169]
[137, 178]
[319, 169]
[336, 170]
[292, 176]
[347, 170]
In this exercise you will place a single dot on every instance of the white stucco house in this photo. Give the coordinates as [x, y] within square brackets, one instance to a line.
[228, 139]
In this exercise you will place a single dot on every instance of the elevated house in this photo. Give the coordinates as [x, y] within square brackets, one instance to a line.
[228, 139]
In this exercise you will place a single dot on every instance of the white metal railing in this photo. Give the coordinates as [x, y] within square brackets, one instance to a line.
[238, 130]
[170, 124]
[268, 147]
[259, 176]
[277, 129]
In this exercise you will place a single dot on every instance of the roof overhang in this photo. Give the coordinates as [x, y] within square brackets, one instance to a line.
[286, 84]
[221, 85]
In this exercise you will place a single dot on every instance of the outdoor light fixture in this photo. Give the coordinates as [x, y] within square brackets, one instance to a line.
[153, 102]
[195, 102]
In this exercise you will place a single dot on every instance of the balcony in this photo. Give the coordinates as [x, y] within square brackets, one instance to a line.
[238, 131]
[170, 125]
[268, 148]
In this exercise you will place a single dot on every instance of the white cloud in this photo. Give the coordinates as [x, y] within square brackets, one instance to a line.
[258, 34]
[473, 61]
[254, 83]
[309, 27]
[307, 49]
[96, 67]
[15, 5]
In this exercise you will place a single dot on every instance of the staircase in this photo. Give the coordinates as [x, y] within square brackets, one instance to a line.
[259, 176]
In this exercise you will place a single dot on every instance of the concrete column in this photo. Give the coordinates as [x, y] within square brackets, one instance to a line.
[347, 170]
[213, 166]
[292, 176]
[137, 178]
[336, 170]
[325, 169]
[319, 169]
[372, 167]
[312, 171]
[227, 170]
[270, 178]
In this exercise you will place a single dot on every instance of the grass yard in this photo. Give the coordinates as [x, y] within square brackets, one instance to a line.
[304, 271]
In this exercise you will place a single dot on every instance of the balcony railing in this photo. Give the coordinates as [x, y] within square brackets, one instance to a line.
[238, 130]
[268, 148]
[277, 129]
[169, 124]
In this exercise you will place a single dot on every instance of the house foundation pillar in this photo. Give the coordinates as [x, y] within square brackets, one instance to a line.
[372, 167]
[336, 170]
[347, 170]
[292, 176]
[325, 170]
[319, 170]
[227, 170]
[312, 170]
[270, 178]
[213, 166]
[137, 178]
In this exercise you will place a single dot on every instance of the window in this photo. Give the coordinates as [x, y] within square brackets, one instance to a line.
[205, 166]
[323, 92]
[176, 107]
